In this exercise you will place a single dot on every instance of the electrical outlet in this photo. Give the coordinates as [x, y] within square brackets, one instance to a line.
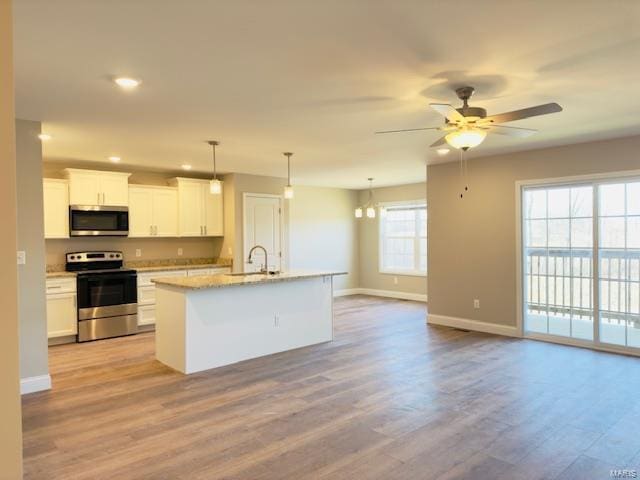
[276, 320]
[476, 303]
[138, 252]
[230, 251]
[395, 280]
[179, 252]
[22, 257]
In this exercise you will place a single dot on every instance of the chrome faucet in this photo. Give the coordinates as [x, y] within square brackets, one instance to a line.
[264, 268]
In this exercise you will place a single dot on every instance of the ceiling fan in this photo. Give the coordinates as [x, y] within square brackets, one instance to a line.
[467, 127]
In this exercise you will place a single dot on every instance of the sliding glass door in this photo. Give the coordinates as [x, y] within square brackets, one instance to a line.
[619, 253]
[572, 235]
[558, 260]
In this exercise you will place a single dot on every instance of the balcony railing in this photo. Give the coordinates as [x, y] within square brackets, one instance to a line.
[560, 283]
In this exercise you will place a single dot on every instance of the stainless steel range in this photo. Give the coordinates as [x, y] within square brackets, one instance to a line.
[107, 295]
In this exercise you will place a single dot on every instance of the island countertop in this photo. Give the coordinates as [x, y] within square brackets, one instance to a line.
[230, 280]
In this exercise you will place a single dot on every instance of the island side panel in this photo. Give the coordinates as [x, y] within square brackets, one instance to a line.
[228, 325]
[170, 327]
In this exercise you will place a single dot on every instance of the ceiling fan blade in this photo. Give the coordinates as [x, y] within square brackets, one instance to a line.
[437, 143]
[447, 111]
[511, 131]
[524, 113]
[408, 130]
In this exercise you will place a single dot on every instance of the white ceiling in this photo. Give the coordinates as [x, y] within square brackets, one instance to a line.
[317, 78]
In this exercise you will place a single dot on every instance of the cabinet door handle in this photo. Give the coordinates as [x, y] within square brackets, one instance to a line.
[205, 229]
[150, 229]
[98, 203]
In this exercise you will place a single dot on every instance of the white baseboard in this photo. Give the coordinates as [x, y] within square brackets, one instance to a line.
[417, 297]
[474, 325]
[35, 384]
[346, 291]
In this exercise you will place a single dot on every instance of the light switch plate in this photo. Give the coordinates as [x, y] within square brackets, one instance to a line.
[476, 303]
[138, 252]
[22, 257]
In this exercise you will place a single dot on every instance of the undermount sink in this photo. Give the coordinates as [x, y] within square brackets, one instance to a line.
[246, 274]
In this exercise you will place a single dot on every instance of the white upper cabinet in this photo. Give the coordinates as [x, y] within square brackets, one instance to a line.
[214, 216]
[153, 211]
[56, 208]
[93, 187]
[200, 212]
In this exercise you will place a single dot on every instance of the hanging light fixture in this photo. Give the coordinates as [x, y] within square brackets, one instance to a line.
[215, 186]
[368, 208]
[288, 190]
[466, 137]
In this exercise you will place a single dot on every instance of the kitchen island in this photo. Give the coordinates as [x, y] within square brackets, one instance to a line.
[205, 322]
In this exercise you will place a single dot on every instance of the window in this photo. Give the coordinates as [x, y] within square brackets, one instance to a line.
[403, 239]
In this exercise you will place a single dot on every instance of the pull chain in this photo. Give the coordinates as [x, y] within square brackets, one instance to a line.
[464, 173]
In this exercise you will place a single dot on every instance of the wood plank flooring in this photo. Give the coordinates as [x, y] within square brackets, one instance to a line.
[389, 398]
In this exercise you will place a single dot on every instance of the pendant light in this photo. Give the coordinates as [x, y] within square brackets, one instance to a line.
[368, 208]
[215, 186]
[288, 190]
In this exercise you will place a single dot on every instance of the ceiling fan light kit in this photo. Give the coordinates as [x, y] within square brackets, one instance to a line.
[466, 137]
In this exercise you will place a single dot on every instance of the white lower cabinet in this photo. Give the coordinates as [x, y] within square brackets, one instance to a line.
[147, 289]
[146, 315]
[62, 315]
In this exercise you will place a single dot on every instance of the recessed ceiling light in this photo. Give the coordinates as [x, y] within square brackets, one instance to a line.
[442, 151]
[127, 83]
[44, 137]
[186, 166]
[114, 159]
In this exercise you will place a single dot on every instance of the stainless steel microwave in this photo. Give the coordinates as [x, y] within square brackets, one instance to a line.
[98, 220]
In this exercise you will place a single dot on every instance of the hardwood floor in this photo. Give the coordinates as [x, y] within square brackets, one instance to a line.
[389, 398]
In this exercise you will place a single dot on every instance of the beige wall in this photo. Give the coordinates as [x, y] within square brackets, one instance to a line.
[31, 282]
[10, 416]
[152, 248]
[472, 242]
[370, 277]
[323, 233]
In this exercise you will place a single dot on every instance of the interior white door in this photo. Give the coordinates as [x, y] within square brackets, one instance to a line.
[262, 220]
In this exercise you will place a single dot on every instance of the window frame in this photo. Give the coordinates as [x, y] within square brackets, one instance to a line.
[416, 272]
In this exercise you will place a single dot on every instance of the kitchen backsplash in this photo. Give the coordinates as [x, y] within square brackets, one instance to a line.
[150, 249]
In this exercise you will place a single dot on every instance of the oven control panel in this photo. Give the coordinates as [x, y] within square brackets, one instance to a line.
[84, 257]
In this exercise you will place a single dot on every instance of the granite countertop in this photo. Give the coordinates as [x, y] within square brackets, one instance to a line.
[58, 271]
[163, 268]
[221, 281]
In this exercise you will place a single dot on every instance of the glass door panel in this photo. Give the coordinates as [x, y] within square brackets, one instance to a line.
[619, 268]
[558, 261]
